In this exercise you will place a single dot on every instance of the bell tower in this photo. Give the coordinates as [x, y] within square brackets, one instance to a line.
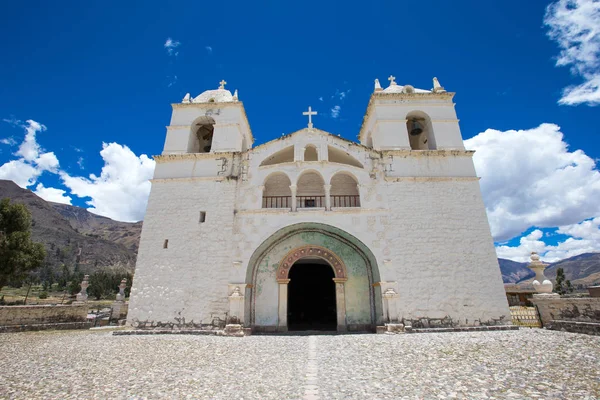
[406, 118]
[213, 122]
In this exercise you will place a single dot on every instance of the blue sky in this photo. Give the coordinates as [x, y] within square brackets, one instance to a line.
[99, 72]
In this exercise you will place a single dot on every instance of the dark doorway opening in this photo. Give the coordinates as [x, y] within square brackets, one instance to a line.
[311, 297]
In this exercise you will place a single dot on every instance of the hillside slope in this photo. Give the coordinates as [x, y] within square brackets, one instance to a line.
[66, 244]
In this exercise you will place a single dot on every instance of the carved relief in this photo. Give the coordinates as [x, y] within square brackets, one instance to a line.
[339, 268]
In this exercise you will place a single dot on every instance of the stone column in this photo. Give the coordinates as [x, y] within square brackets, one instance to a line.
[261, 190]
[236, 305]
[327, 197]
[540, 283]
[361, 193]
[119, 301]
[283, 303]
[83, 296]
[390, 305]
[293, 188]
[340, 301]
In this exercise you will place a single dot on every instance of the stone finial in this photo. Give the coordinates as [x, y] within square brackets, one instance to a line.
[235, 95]
[121, 294]
[83, 296]
[540, 283]
[377, 86]
[186, 98]
[222, 84]
[392, 80]
[437, 88]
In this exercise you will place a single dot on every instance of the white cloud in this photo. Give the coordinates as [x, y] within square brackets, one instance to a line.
[80, 162]
[335, 111]
[171, 45]
[10, 141]
[121, 191]
[20, 172]
[321, 98]
[531, 179]
[575, 26]
[32, 161]
[29, 148]
[582, 238]
[209, 49]
[52, 194]
[172, 80]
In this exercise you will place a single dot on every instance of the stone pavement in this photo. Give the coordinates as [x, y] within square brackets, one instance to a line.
[525, 364]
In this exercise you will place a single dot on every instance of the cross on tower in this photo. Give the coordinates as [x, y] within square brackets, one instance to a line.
[392, 80]
[222, 83]
[310, 113]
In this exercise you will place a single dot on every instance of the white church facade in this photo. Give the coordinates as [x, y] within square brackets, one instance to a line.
[312, 231]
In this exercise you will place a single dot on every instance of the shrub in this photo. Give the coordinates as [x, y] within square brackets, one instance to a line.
[43, 295]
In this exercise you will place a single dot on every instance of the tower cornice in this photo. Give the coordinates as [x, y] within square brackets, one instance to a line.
[413, 97]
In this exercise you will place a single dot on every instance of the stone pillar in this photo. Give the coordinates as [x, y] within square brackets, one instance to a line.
[236, 304]
[340, 301]
[361, 193]
[540, 283]
[283, 303]
[261, 193]
[293, 189]
[83, 296]
[119, 301]
[390, 305]
[327, 197]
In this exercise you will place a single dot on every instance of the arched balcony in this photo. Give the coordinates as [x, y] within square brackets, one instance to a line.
[310, 191]
[344, 191]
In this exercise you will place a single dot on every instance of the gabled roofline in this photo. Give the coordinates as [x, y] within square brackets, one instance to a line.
[316, 131]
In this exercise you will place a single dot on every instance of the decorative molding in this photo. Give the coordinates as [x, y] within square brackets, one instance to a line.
[431, 178]
[339, 268]
[163, 158]
[189, 179]
[429, 153]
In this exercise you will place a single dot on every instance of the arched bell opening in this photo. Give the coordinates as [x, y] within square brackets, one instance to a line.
[203, 131]
[420, 131]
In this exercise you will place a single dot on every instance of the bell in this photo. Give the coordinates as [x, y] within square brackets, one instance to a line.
[416, 128]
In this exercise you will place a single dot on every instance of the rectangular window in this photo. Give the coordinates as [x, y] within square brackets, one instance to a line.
[166, 244]
[202, 216]
[309, 203]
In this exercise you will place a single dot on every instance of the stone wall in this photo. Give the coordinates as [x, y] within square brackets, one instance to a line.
[582, 309]
[42, 314]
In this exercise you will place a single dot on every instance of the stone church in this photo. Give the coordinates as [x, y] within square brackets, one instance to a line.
[313, 231]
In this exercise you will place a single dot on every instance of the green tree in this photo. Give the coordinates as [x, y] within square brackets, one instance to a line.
[562, 285]
[18, 254]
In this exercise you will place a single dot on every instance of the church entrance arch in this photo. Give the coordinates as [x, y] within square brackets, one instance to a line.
[342, 271]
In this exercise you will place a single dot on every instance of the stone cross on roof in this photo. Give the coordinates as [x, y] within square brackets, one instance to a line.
[310, 113]
[222, 83]
[392, 80]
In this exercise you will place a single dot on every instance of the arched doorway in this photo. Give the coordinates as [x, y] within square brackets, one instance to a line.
[358, 305]
[311, 296]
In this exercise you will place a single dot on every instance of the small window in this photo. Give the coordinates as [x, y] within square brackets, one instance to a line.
[166, 244]
[202, 216]
[309, 203]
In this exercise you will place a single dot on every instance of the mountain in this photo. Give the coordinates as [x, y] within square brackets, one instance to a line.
[513, 272]
[73, 235]
[125, 233]
[583, 269]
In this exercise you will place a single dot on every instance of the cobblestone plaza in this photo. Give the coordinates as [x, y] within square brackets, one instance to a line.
[525, 364]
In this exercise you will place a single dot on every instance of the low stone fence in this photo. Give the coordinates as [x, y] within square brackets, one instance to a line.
[573, 314]
[42, 317]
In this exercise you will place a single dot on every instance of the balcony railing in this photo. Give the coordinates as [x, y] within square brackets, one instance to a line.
[345, 201]
[277, 202]
[310, 201]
